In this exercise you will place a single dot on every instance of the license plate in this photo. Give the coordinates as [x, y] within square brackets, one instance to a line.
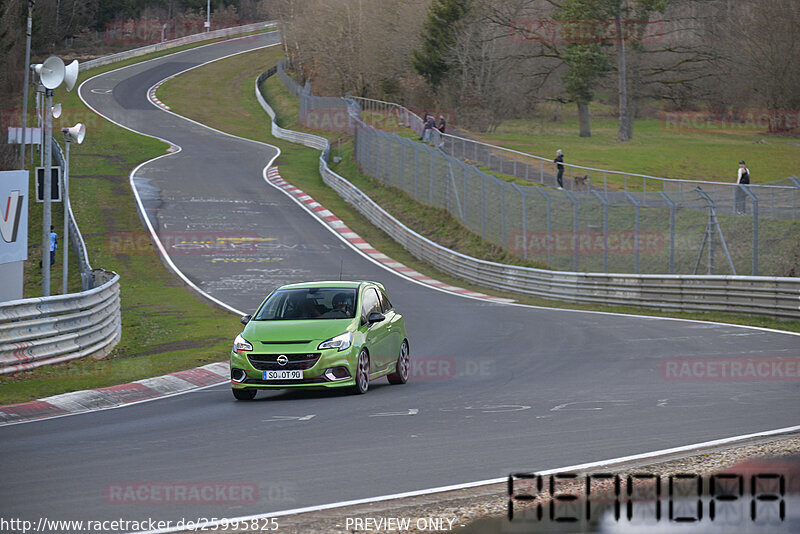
[283, 375]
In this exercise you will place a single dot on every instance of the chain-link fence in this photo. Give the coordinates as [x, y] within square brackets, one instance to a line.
[679, 227]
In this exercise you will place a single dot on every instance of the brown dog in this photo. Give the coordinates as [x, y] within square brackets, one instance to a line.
[582, 182]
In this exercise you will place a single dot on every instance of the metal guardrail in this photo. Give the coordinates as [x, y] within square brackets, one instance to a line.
[47, 330]
[771, 296]
[189, 39]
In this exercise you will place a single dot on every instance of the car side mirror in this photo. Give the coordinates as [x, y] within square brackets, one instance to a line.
[375, 317]
[245, 319]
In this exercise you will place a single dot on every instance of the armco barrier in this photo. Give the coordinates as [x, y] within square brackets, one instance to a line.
[189, 39]
[761, 295]
[46, 330]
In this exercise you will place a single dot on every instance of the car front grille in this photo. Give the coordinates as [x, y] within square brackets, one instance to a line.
[269, 362]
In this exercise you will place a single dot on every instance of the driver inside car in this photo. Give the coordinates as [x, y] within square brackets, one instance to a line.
[341, 307]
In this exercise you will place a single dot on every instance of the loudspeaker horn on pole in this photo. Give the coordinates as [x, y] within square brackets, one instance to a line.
[77, 132]
[71, 74]
[57, 110]
[52, 72]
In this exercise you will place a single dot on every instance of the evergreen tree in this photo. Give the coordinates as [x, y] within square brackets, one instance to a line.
[438, 36]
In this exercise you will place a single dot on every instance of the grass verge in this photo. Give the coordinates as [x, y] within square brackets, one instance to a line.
[229, 104]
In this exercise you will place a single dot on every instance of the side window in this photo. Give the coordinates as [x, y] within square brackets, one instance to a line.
[370, 303]
[385, 304]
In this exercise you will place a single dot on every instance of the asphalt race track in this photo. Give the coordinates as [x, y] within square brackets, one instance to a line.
[498, 387]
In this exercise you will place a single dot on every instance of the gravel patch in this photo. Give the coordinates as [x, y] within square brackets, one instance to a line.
[454, 510]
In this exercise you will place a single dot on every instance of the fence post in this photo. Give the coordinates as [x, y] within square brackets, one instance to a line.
[430, 175]
[503, 212]
[671, 205]
[549, 228]
[483, 206]
[574, 229]
[636, 233]
[605, 230]
[754, 199]
[389, 144]
[402, 165]
[416, 171]
[524, 220]
[797, 185]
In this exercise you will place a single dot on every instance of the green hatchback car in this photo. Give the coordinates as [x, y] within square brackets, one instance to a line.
[320, 335]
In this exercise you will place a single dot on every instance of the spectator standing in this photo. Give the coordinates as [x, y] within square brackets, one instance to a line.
[743, 179]
[430, 124]
[53, 244]
[442, 124]
[559, 161]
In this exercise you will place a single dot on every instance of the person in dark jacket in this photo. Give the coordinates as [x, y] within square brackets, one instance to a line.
[559, 161]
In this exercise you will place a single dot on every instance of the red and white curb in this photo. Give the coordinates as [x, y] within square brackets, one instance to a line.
[154, 98]
[326, 216]
[115, 396]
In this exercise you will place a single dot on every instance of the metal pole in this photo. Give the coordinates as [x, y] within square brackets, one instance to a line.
[524, 221]
[636, 232]
[605, 229]
[65, 204]
[208, 16]
[25, 89]
[503, 212]
[483, 206]
[47, 193]
[671, 205]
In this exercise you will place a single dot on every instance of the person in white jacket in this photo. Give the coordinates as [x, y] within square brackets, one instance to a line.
[743, 179]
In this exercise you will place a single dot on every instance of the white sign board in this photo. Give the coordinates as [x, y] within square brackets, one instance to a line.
[13, 216]
[32, 135]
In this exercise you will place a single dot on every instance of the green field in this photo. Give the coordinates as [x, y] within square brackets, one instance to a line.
[664, 148]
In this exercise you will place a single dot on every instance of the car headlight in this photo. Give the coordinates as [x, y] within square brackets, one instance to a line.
[241, 345]
[341, 342]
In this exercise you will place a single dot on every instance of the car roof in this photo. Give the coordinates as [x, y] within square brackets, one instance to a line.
[344, 284]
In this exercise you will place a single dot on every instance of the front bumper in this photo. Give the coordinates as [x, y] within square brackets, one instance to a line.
[333, 369]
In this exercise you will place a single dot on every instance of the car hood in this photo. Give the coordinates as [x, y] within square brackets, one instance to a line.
[309, 330]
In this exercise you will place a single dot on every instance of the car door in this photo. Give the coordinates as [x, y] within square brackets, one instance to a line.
[394, 327]
[376, 333]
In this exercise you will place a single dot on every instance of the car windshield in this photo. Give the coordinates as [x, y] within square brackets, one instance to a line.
[308, 303]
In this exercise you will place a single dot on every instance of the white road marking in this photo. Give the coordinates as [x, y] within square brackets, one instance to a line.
[411, 411]
[563, 407]
[276, 418]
